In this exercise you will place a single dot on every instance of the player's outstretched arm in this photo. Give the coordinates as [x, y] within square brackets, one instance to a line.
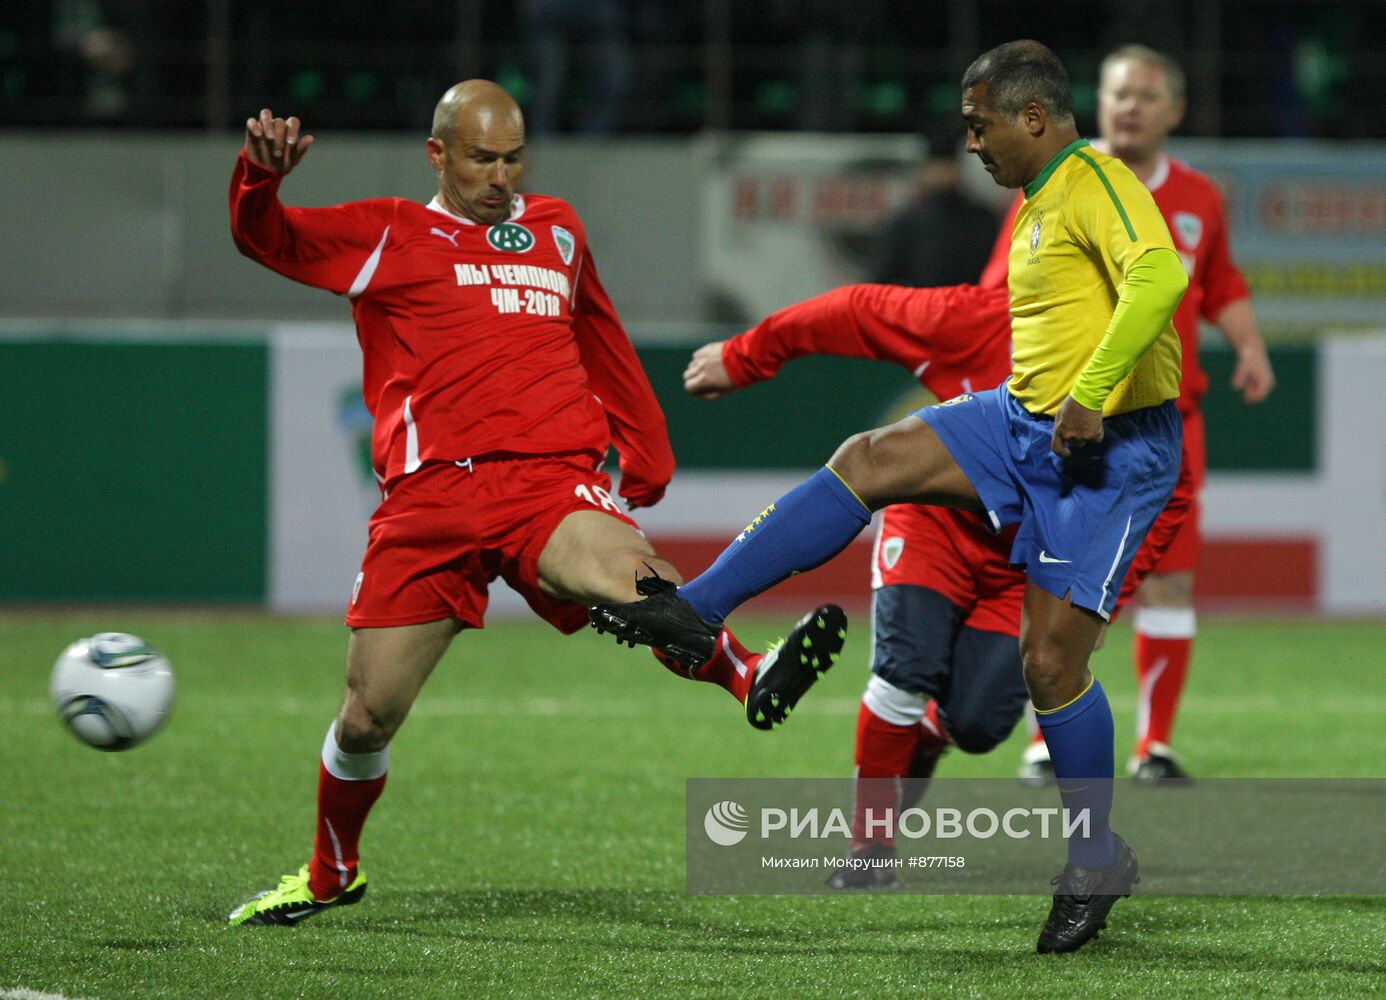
[911, 327]
[275, 143]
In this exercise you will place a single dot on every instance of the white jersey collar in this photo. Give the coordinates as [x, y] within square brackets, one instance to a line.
[517, 209]
[1161, 174]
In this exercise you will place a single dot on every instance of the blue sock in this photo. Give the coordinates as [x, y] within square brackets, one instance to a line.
[804, 528]
[1080, 738]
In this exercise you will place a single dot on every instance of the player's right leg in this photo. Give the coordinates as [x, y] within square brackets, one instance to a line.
[386, 667]
[905, 462]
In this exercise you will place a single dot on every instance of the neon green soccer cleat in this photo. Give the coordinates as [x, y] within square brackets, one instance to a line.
[791, 667]
[290, 901]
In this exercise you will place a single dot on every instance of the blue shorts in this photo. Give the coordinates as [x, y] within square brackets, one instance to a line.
[1081, 519]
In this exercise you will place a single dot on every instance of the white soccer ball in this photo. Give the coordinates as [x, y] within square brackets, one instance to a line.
[112, 690]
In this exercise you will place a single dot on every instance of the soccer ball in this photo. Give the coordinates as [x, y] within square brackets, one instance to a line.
[112, 690]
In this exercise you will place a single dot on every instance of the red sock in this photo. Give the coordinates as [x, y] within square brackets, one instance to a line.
[883, 756]
[1161, 666]
[732, 666]
[342, 810]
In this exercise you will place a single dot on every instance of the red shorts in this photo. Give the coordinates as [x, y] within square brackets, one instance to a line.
[446, 531]
[954, 554]
[1175, 539]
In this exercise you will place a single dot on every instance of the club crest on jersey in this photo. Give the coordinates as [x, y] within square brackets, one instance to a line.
[1035, 235]
[1189, 227]
[565, 243]
[510, 236]
[890, 552]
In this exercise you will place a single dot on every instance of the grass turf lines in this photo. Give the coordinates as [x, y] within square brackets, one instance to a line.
[530, 840]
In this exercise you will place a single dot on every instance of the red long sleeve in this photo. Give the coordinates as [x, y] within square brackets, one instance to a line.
[953, 339]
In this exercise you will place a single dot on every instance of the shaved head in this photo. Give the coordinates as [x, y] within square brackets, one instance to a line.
[477, 147]
[474, 106]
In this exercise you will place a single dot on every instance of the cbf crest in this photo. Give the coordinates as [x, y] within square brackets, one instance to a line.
[1035, 231]
[565, 243]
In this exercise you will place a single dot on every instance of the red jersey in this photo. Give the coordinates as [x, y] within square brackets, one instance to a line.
[477, 340]
[1193, 210]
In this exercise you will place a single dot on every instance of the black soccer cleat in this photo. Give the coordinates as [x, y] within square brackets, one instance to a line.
[1160, 766]
[663, 620]
[870, 867]
[790, 669]
[1083, 899]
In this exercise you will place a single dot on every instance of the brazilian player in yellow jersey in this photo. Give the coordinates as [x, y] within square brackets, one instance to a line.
[1080, 449]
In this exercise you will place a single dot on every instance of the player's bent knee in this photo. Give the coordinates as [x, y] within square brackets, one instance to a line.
[983, 732]
[852, 461]
[360, 730]
[905, 462]
[871, 464]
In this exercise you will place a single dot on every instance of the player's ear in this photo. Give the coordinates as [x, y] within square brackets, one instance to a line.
[437, 153]
[1035, 119]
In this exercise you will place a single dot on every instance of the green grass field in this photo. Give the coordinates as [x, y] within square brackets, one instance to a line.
[530, 842]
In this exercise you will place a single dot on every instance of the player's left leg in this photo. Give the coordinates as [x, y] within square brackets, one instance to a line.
[386, 668]
[1057, 638]
[592, 557]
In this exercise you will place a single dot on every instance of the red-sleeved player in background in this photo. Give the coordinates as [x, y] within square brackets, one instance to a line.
[1140, 102]
[498, 375]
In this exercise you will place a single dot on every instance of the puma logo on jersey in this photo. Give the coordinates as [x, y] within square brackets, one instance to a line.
[450, 237]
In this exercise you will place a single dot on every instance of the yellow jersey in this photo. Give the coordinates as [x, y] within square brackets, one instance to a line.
[1085, 219]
